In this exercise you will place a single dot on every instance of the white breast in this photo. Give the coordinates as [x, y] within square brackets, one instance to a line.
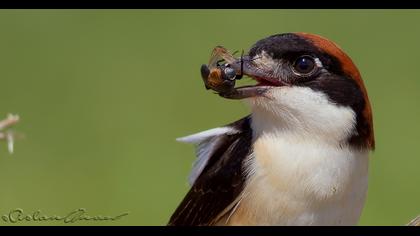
[302, 184]
[302, 171]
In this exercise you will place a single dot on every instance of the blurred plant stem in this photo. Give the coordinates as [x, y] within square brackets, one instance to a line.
[6, 134]
[415, 222]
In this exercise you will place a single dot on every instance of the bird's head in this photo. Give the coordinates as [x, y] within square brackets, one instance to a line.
[307, 83]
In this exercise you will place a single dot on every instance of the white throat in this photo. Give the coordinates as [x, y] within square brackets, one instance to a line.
[303, 112]
[302, 172]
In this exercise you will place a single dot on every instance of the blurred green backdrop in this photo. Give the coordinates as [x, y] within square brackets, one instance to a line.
[104, 93]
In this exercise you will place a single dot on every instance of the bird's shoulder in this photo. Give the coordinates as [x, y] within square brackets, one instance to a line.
[218, 176]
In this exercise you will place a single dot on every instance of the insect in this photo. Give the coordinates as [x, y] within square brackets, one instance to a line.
[221, 77]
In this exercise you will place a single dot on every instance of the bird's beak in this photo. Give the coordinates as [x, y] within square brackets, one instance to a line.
[263, 76]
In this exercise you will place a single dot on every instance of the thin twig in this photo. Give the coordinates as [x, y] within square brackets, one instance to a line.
[415, 222]
[9, 121]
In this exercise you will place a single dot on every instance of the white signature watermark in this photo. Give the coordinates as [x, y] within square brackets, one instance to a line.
[18, 215]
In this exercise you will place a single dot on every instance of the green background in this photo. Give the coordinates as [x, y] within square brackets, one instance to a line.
[104, 93]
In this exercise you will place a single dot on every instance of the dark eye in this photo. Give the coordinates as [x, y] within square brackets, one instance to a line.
[304, 65]
[230, 73]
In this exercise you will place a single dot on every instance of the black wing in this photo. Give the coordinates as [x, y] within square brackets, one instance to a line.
[220, 182]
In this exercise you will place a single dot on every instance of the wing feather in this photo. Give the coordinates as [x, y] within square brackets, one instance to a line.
[218, 177]
[206, 142]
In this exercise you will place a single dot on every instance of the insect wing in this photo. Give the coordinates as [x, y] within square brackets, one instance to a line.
[220, 54]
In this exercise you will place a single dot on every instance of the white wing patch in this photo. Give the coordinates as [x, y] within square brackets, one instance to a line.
[206, 142]
[206, 135]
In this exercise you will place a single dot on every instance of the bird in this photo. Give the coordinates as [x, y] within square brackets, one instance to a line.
[301, 157]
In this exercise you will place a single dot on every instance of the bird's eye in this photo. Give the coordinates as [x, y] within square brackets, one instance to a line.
[304, 65]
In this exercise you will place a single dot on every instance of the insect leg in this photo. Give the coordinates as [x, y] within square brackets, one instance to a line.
[238, 77]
